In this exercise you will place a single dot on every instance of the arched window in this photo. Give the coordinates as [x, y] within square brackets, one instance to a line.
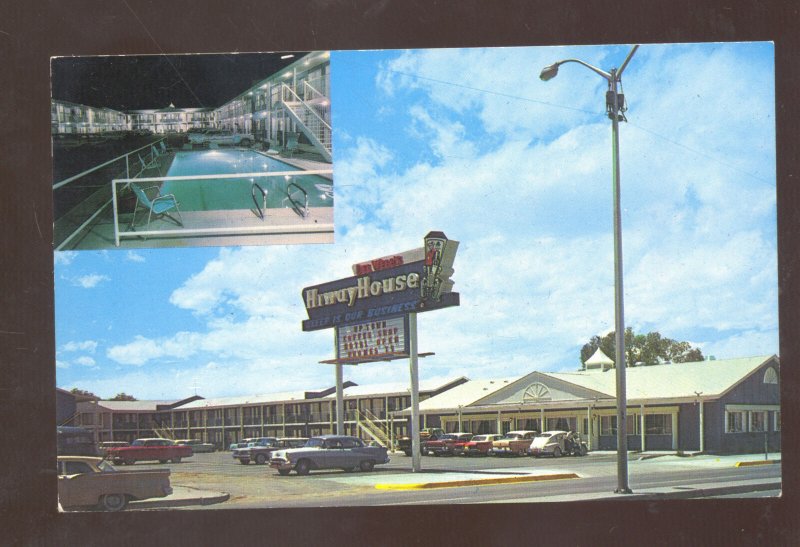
[536, 392]
[770, 376]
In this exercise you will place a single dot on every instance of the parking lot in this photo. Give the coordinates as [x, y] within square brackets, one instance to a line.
[253, 485]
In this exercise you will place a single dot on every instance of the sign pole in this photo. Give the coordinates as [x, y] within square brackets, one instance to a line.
[414, 365]
[339, 388]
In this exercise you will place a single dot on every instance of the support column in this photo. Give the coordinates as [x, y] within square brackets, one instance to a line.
[589, 427]
[339, 400]
[414, 366]
[702, 429]
[641, 425]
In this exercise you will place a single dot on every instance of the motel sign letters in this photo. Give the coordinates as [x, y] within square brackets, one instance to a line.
[370, 310]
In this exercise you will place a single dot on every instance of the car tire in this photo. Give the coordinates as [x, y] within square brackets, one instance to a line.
[244, 461]
[113, 502]
[245, 142]
[407, 453]
[261, 459]
[284, 472]
[130, 462]
[556, 452]
[367, 465]
[162, 461]
[583, 451]
[302, 467]
[176, 459]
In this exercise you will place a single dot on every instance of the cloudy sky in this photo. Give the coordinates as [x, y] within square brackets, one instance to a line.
[472, 143]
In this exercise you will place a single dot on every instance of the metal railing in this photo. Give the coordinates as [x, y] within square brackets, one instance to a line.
[213, 231]
[311, 122]
[80, 205]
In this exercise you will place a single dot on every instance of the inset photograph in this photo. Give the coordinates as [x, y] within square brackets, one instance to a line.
[192, 150]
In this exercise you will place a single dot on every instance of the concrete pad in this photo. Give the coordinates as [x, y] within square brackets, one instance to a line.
[182, 496]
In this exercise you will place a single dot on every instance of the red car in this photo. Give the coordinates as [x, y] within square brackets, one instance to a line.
[479, 444]
[447, 444]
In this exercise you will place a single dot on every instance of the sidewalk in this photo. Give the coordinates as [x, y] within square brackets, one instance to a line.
[182, 496]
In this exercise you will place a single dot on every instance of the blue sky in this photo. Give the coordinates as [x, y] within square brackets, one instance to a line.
[472, 143]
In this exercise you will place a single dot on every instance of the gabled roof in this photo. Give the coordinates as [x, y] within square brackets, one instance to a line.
[398, 388]
[674, 381]
[127, 406]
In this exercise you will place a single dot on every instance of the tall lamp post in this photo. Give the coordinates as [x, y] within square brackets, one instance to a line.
[615, 108]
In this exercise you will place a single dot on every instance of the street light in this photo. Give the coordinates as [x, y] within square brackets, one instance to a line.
[615, 108]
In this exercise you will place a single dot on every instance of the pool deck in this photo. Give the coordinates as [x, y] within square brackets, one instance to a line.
[279, 227]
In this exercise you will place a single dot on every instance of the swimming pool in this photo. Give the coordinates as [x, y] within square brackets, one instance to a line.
[237, 193]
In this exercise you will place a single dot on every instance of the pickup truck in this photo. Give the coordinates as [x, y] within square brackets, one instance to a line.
[140, 450]
[85, 481]
[447, 444]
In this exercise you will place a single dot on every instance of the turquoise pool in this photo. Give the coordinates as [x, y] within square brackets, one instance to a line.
[236, 193]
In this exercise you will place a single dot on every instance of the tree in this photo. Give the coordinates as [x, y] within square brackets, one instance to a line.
[83, 393]
[123, 397]
[642, 349]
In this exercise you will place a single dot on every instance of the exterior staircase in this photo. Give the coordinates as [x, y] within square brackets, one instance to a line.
[309, 113]
[374, 428]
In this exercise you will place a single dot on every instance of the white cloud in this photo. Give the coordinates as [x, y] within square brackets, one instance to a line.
[62, 364]
[64, 258]
[84, 361]
[86, 345]
[90, 281]
[133, 256]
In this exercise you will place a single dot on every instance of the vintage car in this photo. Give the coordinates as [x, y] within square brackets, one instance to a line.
[513, 442]
[260, 453]
[244, 442]
[479, 444]
[155, 449]
[85, 481]
[242, 452]
[404, 444]
[329, 452]
[105, 445]
[221, 136]
[558, 443]
[445, 445]
[196, 444]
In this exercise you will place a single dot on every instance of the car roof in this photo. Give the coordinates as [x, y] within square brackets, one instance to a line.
[79, 459]
[521, 431]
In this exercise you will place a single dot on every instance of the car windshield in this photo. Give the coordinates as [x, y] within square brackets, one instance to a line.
[315, 441]
[543, 435]
[512, 436]
[479, 438]
[137, 443]
[106, 467]
[447, 437]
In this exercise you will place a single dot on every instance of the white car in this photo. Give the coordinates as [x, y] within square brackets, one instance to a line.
[221, 136]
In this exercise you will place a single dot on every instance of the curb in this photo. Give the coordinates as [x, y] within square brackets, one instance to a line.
[474, 482]
[202, 498]
[758, 462]
[702, 492]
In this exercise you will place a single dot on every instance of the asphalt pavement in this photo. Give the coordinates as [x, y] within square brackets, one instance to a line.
[406, 479]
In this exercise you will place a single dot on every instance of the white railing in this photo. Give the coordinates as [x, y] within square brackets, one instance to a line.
[217, 230]
[60, 245]
[312, 123]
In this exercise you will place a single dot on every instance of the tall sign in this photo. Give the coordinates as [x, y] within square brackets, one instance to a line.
[374, 312]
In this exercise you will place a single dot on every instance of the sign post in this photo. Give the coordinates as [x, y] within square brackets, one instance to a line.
[374, 313]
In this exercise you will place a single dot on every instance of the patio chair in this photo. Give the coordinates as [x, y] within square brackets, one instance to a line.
[290, 147]
[159, 205]
[162, 146]
[152, 164]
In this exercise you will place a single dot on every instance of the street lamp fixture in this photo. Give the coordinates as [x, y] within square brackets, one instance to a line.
[615, 108]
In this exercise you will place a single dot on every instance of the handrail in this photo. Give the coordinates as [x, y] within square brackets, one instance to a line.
[96, 167]
[308, 108]
[261, 212]
[305, 208]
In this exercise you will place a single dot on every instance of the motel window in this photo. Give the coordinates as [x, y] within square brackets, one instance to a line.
[735, 422]
[562, 424]
[758, 420]
[776, 420]
[658, 424]
[608, 425]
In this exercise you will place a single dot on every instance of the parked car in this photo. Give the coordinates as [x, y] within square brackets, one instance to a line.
[446, 445]
[196, 444]
[242, 453]
[479, 444]
[85, 481]
[221, 136]
[161, 450]
[329, 452]
[558, 443]
[247, 440]
[513, 442]
[260, 453]
[105, 445]
[429, 433]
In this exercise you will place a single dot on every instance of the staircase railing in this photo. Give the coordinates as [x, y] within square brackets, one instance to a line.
[310, 121]
[371, 425]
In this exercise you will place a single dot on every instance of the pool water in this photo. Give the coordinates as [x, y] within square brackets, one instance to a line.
[236, 193]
